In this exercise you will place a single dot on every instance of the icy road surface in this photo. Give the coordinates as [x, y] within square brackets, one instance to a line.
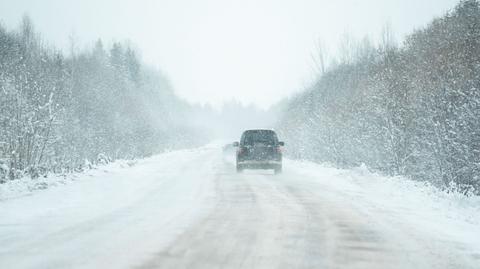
[188, 209]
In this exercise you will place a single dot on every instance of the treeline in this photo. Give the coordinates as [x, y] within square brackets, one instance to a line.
[60, 114]
[412, 110]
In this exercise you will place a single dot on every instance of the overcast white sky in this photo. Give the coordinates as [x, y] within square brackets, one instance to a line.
[257, 51]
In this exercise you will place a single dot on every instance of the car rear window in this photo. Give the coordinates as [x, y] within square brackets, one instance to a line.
[266, 137]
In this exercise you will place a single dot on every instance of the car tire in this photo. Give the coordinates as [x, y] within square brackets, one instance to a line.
[278, 169]
[239, 169]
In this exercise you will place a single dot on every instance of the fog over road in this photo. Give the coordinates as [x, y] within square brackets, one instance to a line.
[189, 209]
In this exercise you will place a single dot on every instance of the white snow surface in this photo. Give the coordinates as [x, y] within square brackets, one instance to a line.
[27, 186]
[189, 209]
[111, 217]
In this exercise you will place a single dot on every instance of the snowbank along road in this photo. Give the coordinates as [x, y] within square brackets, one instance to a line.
[189, 209]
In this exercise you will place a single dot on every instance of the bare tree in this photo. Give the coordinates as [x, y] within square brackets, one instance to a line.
[320, 57]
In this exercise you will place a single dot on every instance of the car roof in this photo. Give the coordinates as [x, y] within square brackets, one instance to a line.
[255, 130]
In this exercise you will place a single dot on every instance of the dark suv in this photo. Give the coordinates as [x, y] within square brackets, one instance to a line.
[259, 149]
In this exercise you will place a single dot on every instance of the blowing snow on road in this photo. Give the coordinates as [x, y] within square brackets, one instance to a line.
[190, 209]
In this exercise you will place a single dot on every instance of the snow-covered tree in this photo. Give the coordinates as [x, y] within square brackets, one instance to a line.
[408, 110]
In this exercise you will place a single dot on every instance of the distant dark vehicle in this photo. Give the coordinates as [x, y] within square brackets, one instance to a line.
[229, 152]
[259, 149]
[228, 148]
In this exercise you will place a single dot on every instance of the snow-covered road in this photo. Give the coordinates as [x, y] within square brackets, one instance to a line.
[188, 209]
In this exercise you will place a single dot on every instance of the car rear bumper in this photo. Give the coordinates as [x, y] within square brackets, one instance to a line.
[250, 164]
